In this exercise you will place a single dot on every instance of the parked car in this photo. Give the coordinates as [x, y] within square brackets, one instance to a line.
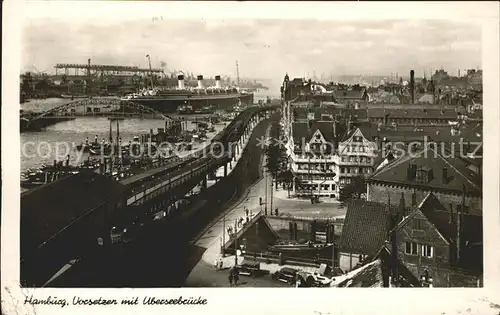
[321, 281]
[249, 268]
[286, 274]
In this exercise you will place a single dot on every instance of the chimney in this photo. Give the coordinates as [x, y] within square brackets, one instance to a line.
[412, 86]
[445, 176]
[451, 214]
[402, 206]
[200, 82]
[217, 82]
[180, 80]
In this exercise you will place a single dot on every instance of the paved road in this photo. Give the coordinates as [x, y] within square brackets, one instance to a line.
[204, 275]
[161, 255]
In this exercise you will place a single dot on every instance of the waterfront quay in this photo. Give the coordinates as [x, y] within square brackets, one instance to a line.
[111, 213]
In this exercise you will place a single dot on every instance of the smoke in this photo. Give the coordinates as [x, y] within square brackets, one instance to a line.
[163, 64]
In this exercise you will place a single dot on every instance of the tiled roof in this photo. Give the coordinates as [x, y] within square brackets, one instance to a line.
[50, 208]
[356, 114]
[458, 173]
[437, 214]
[349, 94]
[368, 130]
[445, 223]
[300, 130]
[326, 129]
[365, 227]
[433, 133]
[413, 113]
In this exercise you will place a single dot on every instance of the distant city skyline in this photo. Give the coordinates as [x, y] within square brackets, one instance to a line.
[265, 49]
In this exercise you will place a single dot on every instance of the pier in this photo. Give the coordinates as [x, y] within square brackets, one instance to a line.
[87, 229]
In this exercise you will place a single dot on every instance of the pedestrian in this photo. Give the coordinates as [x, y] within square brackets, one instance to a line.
[221, 263]
[216, 264]
[246, 211]
[276, 212]
[236, 278]
[230, 278]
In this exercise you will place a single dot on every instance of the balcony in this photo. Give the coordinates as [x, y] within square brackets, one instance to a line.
[328, 159]
[356, 162]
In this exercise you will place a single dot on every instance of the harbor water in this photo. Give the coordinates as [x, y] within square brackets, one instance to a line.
[57, 141]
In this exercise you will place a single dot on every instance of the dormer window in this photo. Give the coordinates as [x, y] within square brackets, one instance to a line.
[424, 175]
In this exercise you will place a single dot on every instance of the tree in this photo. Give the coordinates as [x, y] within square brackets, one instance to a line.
[354, 190]
[277, 159]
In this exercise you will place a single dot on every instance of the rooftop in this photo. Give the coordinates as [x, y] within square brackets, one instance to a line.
[366, 226]
[459, 175]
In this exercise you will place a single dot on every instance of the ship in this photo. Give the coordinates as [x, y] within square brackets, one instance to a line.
[33, 178]
[201, 99]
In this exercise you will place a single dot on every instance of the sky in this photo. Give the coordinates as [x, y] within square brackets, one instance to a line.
[264, 49]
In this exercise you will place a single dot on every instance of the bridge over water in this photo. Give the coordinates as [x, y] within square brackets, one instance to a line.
[56, 230]
[89, 107]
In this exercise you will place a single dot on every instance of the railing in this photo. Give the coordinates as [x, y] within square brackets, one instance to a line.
[161, 183]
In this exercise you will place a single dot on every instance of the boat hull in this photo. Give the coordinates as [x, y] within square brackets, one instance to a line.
[217, 102]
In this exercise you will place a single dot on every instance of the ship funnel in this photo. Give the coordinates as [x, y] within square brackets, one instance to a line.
[217, 82]
[200, 82]
[180, 79]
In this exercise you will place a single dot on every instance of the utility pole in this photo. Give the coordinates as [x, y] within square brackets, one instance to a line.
[223, 233]
[265, 179]
[272, 188]
[235, 242]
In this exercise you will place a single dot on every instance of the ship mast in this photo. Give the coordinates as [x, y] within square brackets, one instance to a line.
[237, 74]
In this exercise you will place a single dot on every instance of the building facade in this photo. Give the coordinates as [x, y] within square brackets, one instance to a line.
[440, 245]
[357, 156]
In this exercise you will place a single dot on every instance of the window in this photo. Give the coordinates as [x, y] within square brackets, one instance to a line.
[427, 251]
[418, 224]
[411, 248]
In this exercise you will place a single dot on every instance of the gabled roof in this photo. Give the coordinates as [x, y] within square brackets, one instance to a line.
[445, 222]
[326, 129]
[457, 172]
[366, 226]
[301, 130]
[48, 209]
[368, 130]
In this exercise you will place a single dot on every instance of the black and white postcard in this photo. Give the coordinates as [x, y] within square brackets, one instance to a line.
[175, 156]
